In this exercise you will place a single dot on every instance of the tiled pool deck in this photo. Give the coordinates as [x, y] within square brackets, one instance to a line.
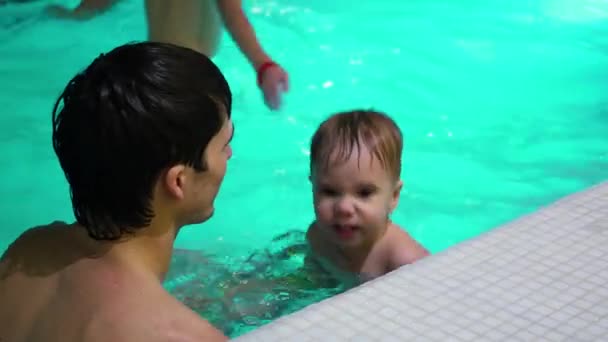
[542, 277]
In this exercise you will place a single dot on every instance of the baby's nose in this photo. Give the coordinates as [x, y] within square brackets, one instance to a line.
[345, 206]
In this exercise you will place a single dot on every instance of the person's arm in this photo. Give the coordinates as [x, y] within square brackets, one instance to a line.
[86, 9]
[314, 270]
[242, 32]
[271, 78]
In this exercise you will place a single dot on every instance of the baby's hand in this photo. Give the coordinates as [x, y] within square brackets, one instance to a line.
[274, 82]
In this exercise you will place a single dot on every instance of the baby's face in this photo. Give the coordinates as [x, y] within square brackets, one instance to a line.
[353, 199]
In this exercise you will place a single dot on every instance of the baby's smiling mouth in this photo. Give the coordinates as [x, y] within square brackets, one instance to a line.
[345, 231]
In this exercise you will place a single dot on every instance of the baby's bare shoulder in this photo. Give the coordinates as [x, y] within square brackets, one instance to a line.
[402, 248]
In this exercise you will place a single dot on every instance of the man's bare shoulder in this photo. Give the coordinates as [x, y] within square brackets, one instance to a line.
[190, 326]
[31, 251]
[32, 234]
[150, 315]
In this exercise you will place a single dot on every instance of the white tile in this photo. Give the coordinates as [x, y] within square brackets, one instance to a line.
[479, 328]
[390, 338]
[524, 335]
[578, 323]
[550, 323]
[539, 330]
[450, 328]
[361, 338]
[601, 309]
[508, 329]
[603, 323]
[466, 335]
[596, 330]
[405, 334]
[299, 338]
[555, 336]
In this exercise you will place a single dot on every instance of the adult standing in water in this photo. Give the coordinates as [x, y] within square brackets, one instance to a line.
[197, 24]
[143, 137]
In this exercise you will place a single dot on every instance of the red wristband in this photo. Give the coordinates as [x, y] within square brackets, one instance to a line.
[262, 69]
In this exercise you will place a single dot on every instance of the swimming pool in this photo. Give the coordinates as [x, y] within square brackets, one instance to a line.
[503, 106]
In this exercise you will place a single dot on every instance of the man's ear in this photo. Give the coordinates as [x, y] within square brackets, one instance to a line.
[174, 181]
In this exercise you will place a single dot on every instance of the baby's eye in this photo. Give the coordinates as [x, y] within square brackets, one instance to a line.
[328, 191]
[366, 192]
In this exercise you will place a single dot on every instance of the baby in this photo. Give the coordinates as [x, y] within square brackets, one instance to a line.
[355, 167]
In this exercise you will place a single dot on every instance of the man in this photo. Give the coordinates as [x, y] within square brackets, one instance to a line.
[143, 137]
[197, 24]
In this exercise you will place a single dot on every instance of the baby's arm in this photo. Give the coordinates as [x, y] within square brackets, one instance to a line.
[405, 250]
[314, 270]
[310, 260]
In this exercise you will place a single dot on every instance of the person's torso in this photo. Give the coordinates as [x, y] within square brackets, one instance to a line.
[191, 23]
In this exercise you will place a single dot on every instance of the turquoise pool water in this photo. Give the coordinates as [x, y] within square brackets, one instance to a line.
[503, 105]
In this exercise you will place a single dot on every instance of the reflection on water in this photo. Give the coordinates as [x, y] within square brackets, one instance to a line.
[239, 295]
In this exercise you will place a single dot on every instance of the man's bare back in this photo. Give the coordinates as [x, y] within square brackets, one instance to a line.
[58, 285]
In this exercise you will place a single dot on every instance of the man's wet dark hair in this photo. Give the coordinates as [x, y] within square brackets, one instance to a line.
[131, 114]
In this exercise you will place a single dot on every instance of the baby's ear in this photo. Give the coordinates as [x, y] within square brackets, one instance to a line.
[396, 194]
[397, 189]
